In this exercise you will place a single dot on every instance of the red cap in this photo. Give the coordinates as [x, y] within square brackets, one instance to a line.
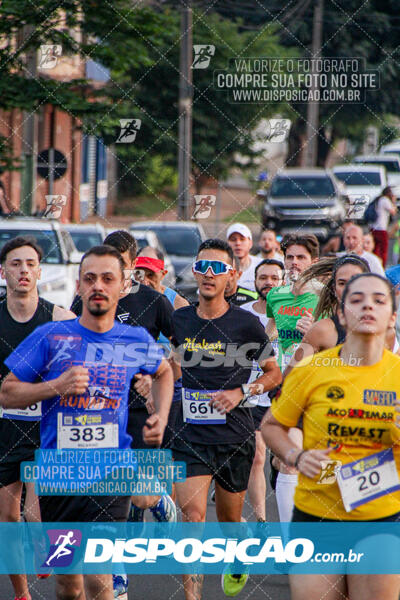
[153, 264]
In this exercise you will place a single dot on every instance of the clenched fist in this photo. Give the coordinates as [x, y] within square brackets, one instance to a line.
[73, 382]
[304, 323]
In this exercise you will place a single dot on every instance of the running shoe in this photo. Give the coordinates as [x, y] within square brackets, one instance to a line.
[120, 586]
[232, 585]
[165, 510]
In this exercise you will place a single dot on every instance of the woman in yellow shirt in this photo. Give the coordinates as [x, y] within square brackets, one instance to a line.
[346, 396]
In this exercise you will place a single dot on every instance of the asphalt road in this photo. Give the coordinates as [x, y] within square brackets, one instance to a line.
[169, 587]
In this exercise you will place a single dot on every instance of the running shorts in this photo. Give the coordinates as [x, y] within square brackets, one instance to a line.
[229, 464]
[84, 509]
[18, 442]
[258, 413]
[137, 419]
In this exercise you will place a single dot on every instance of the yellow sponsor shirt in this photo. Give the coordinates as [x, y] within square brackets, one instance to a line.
[351, 408]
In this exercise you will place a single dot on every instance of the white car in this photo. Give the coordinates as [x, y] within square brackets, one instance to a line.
[60, 257]
[363, 184]
[392, 148]
[391, 162]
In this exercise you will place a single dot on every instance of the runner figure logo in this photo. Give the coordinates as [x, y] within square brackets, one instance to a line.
[278, 130]
[49, 55]
[204, 204]
[63, 347]
[357, 203]
[129, 129]
[54, 206]
[202, 55]
[61, 552]
[329, 471]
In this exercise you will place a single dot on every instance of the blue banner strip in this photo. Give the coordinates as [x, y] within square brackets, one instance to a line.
[175, 548]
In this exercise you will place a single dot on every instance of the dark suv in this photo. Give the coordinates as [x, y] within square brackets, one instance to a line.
[304, 201]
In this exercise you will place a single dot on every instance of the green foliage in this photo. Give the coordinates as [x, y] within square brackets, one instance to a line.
[221, 129]
[113, 33]
[369, 29]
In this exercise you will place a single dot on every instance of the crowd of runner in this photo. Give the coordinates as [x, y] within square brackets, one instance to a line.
[283, 351]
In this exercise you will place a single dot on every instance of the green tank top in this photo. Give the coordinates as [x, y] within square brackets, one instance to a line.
[287, 309]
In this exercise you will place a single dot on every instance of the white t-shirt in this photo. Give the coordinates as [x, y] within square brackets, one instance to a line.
[383, 208]
[247, 278]
[276, 256]
[374, 263]
[263, 317]
[256, 371]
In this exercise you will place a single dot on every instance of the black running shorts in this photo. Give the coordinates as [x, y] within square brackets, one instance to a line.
[137, 420]
[84, 509]
[18, 442]
[229, 464]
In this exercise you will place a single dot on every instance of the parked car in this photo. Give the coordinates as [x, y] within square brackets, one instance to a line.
[391, 162]
[86, 236]
[149, 238]
[181, 241]
[392, 148]
[363, 184]
[60, 257]
[304, 201]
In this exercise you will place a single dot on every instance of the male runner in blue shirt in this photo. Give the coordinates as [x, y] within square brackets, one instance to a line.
[83, 367]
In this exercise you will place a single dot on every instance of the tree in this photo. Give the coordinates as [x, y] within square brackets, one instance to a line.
[221, 129]
[113, 34]
[369, 29]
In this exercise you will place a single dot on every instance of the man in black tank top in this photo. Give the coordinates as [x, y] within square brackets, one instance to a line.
[21, 311]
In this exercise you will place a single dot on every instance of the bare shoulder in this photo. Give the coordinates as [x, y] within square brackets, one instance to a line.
[322, 334]
[180, 301]
[62, 314]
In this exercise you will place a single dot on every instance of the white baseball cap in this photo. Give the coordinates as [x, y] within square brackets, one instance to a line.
[239, 228]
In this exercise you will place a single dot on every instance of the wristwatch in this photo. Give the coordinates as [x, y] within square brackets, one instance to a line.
[246, 390]
[247, 393]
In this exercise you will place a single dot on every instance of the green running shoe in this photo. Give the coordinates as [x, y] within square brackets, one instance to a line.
[232, 585]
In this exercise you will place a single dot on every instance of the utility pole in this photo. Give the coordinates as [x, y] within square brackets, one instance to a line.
[29, 134]
[185, 111]
[313, 106]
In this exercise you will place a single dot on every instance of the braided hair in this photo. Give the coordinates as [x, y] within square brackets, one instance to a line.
[326, 269]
